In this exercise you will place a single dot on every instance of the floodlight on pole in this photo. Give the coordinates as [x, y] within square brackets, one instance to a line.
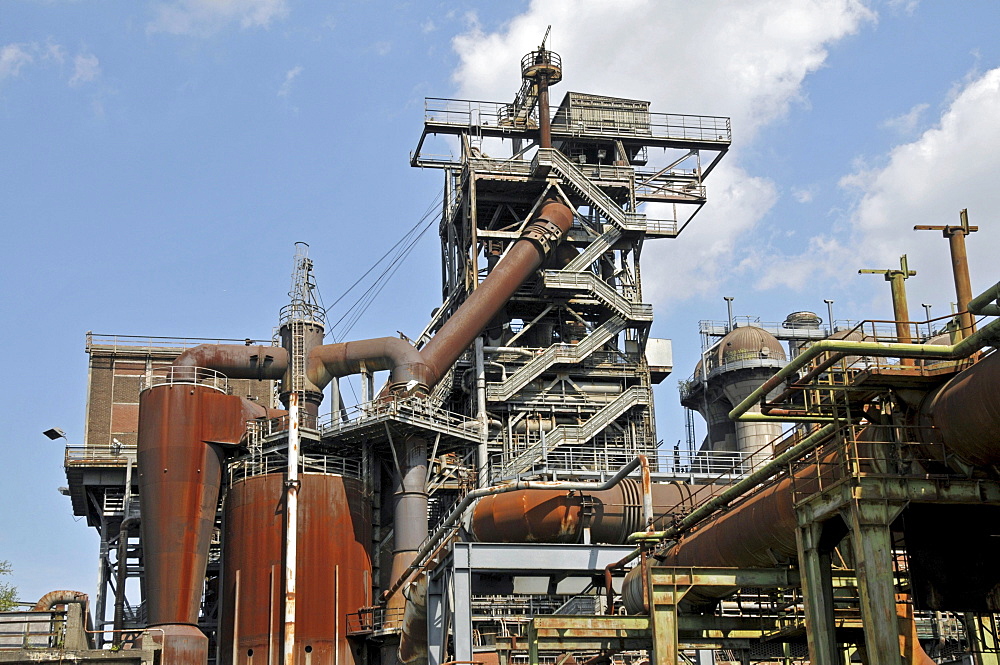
[55, 433]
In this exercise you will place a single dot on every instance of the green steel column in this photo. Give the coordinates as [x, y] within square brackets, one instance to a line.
[900, 309]
[817, 593]
[663, 621]
[870, 535]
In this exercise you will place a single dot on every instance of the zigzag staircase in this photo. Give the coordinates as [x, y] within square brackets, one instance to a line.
[577, 434]
[570, 280]
[550, 159]
[557, 353]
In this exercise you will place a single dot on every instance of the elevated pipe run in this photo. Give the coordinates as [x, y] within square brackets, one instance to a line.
[987, 335]
[404, 362]
[433, 542]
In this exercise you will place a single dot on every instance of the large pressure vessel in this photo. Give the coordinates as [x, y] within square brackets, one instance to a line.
[333, 575]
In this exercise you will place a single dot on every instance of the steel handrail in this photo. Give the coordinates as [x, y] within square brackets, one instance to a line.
[985, 335]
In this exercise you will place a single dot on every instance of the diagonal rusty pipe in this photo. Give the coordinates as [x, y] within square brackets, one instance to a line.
[413, 371]
[426, 366]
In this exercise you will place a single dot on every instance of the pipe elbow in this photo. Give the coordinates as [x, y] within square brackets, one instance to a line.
[382, 353]
[60, 597]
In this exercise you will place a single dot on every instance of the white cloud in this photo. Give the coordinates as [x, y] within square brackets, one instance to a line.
[905, 6]
[744, 58]
[54, 53]
[804, 194]
[290, 76]
[951, 166]
[12, 58]
[205, 17]
[907, 124]
[86, 68]
[708, 247]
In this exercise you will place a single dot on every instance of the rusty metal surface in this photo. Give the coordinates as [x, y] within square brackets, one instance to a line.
[559, 516]
[59, 597]
[965, 413]
[179, 644]
[333, 568]
[179, 478]
[237, 361]
[549, 226]
[382, 353]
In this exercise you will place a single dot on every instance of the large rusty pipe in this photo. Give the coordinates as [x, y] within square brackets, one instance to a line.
[410, 368]
[536, 242]
[964, 413]
[560, 516]
[433, 542]
[237, 361]
[404, 362]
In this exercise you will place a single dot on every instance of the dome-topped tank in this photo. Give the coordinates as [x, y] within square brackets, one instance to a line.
[749, 343]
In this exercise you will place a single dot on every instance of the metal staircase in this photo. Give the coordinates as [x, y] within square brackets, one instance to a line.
[577, 434]
[555, 354]
[571, 280]
[595, 250]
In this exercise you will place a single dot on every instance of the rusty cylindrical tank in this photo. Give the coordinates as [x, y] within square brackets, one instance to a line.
[560, 516]
[181, 426]
[333, 568]
[964, 413]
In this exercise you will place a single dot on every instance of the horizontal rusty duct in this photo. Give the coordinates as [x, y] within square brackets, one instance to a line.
[560, 516]
[237, 361]
[371, 355]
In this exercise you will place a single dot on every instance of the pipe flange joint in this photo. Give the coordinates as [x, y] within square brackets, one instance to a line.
[544, 234]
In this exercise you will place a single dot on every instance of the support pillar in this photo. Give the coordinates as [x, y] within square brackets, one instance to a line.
[437, 634]
[872, 541]
[663, 620]
[817, 592]
[463, 606]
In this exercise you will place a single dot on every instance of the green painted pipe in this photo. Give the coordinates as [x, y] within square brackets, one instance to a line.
[739, 488]
[963, 349]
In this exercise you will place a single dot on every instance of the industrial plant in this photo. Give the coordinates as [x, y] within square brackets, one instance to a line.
[498, 496]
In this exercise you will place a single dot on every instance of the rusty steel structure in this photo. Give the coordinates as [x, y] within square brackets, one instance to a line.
[502, 498]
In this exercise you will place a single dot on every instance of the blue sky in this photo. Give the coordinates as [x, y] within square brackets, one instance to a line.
[160, 158]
